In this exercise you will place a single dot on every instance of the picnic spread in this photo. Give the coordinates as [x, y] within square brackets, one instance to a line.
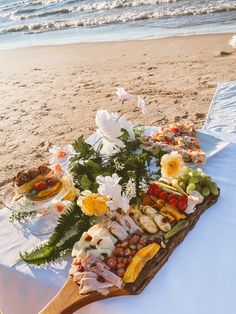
[120, 203]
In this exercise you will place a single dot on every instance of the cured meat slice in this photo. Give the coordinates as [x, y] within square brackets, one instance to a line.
[127, 222]
[116, 229]
[92, 263]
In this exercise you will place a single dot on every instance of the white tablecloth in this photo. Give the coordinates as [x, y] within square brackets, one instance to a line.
[221, 118]
[199, 278]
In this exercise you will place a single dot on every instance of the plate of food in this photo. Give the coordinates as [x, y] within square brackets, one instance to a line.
[33, 195]
[35, 189]
[195, 146]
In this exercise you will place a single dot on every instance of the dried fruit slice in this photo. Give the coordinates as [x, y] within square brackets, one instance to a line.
[139, 261]
[164, 212]
[174, 212]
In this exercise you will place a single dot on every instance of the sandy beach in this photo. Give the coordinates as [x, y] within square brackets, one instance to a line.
[50, 95]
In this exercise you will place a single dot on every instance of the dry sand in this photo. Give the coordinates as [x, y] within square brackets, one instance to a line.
[50, 95]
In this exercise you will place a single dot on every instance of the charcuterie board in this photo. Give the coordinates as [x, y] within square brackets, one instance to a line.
[68, 300]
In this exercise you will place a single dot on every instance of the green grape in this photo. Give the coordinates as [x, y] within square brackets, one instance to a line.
[205, 191]
[195, 173]
[198, 188]
[187, 170]
[182, 185]
[207, 181]
[185, 178]
[213, 188]
[191, 187]
[193, 180]
[200, 170]
[201, 178]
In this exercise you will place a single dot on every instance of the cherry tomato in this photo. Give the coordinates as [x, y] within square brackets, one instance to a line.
[183, 198]
[173, 202]
[163, 195]
[173, 196]
[157, 192]
[182, 205]
[150, 191]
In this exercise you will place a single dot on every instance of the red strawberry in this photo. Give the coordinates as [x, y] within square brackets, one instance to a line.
[52, 182]
[40, 186]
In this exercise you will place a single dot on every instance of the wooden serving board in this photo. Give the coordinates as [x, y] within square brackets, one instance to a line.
[68, 299]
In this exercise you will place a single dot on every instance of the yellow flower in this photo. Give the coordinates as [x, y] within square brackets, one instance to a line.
[172, 165]
[92, 204]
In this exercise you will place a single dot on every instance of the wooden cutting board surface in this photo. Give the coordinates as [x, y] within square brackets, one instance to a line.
[68, 299]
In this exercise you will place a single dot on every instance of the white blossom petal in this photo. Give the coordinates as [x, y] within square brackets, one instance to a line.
[141, 105]
[110, 127]
[110, 188]
[122, 94]
[61, 155]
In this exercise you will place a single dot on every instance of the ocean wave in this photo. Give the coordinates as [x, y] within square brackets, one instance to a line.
[117, 18]
[86, 7]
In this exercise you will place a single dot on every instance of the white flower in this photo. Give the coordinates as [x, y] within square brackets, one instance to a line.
[141, 105]
[193, 199]
[130, 188]
[143, 186]
[110, 127]
[232, 41]
[60, 156]
[122, 94]
[122, 202]
[110, 188]
[126, 125]
[118, 165]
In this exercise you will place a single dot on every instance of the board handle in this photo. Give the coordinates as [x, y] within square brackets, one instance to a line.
[68, 300]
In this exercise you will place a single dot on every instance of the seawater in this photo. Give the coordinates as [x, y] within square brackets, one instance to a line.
[43, 22]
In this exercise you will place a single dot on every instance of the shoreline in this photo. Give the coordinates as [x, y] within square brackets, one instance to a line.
[123, 40]
[50, 94]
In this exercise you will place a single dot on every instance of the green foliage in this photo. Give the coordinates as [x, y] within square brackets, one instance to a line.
[58, 244]
[130, 162]
[86, 165]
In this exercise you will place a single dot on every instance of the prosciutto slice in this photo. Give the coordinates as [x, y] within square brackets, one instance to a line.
[78, 276]
[91, 263]
[116, 229]
[127, 222]
[88, 281]
[89, 284]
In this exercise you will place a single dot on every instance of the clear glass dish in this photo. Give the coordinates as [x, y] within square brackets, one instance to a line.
[42, 215]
